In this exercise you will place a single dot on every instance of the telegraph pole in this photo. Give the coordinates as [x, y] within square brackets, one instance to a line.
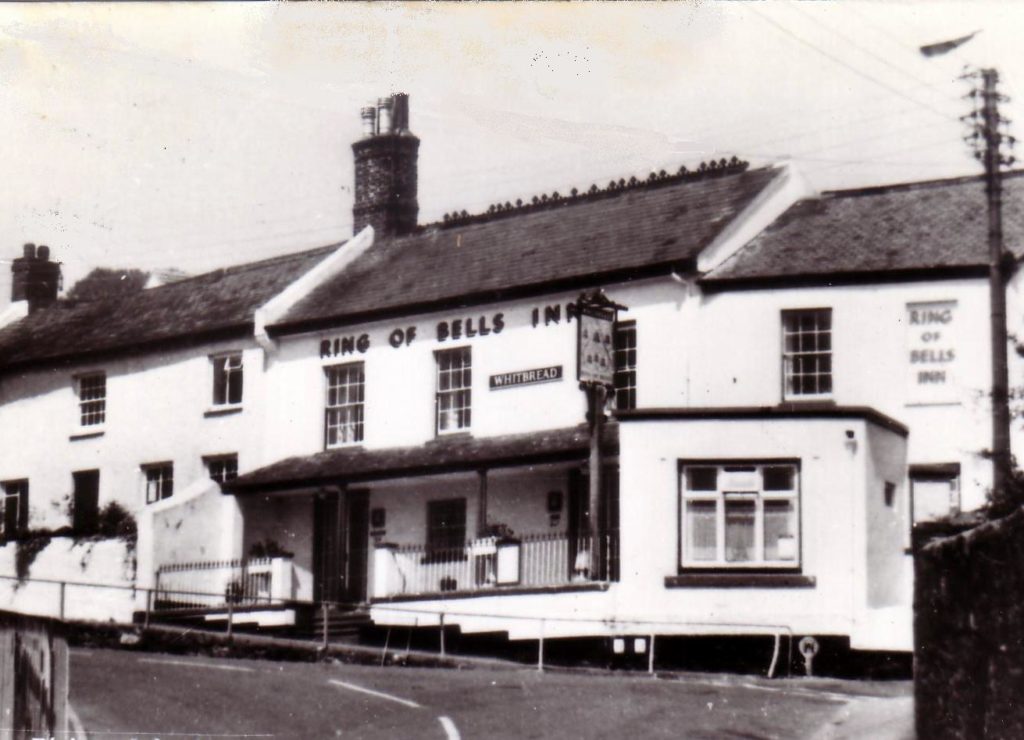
[987, 132]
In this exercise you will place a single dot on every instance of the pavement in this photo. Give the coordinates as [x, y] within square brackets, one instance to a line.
[871, 718]
[130, 694]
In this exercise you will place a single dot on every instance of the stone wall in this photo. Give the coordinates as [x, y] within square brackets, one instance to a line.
[969, 631]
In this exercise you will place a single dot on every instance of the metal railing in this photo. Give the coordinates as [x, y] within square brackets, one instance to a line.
[535, 560]
[63, 599]
[212, 584]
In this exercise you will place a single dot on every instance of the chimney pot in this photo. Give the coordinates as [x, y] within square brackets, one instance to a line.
[400, 112]
[29, 250]
[369, 116]
[384, 116]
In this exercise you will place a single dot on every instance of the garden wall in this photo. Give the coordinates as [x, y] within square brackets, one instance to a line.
[969, 631]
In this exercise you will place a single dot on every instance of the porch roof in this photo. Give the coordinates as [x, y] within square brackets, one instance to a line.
[454, 453]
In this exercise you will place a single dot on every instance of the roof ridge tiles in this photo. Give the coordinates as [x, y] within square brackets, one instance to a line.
[543, 202]
[907, 186]
[256, 265]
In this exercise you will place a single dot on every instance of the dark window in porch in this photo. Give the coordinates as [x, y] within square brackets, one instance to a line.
[446, 527]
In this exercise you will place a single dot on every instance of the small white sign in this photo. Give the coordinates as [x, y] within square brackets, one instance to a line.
[932, 352]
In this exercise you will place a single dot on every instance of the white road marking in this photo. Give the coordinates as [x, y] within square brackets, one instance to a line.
[192, 664]
[378, 694]
[449, 728]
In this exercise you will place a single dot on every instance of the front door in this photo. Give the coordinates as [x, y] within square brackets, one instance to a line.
[327, 550]
[358, 542]
[341, 523]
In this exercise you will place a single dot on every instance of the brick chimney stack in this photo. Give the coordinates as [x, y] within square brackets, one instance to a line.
[385, 159]
[35, 278]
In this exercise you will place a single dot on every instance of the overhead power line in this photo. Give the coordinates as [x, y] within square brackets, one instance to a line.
[860, 73]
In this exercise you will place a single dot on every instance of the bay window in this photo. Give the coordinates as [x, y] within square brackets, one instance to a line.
[739, 515]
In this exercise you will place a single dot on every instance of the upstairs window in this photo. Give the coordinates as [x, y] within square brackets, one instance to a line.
[159, 481]
[92, 399]
[740, 516]
[222, 468]
[345, 397]
[625, 365]
[454, 390]
[227, 379]
[807, 353]
[13, 508]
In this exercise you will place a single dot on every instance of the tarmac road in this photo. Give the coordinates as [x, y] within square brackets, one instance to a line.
[123, 695]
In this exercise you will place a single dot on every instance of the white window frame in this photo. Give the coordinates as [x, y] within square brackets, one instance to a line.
[738, 480]
[793, 356]
[625, 371]
[461, 422]
[92, 411]
[227, 365]
[212, 461]
[346, 417]
[156, 485]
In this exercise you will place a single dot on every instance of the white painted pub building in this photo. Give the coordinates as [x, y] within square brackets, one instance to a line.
[396, 421]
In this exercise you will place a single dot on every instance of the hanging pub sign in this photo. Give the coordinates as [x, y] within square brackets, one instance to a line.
[932, 352]
[595, 326]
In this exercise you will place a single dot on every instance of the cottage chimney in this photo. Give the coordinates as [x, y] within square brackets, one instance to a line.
[35, 278]
[385, 160]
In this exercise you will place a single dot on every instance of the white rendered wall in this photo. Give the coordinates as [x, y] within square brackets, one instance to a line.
[155, 412]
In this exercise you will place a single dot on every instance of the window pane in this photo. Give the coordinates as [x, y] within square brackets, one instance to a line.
[778, 478]
[454, 389]
[702, 479]
[701, 530]
[807, 352]
[344, 414]
[779, 530]
[740, 517]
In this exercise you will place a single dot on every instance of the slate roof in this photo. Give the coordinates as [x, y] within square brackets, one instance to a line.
[442, 455]
[934, 226]
[629, 233]
[218, 303]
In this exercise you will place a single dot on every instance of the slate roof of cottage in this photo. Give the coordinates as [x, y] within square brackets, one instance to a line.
[217, 303]
[444, 454]
[613, 234]
[886, 232]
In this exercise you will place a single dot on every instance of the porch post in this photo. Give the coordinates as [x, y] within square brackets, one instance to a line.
[596, 396]
[481, 507]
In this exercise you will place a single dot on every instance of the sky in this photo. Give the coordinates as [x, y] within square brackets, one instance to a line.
[195, 136]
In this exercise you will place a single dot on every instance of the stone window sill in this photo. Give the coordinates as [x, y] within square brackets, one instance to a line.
[740, 580]
[90, 434]
[222, 411]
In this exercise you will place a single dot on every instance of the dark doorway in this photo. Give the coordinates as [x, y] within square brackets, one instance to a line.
[341, 524]
[86, 501]
[327, 551]
[358, 529]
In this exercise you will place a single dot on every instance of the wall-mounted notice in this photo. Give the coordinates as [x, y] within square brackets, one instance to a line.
[526, 377]
[932, 352]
